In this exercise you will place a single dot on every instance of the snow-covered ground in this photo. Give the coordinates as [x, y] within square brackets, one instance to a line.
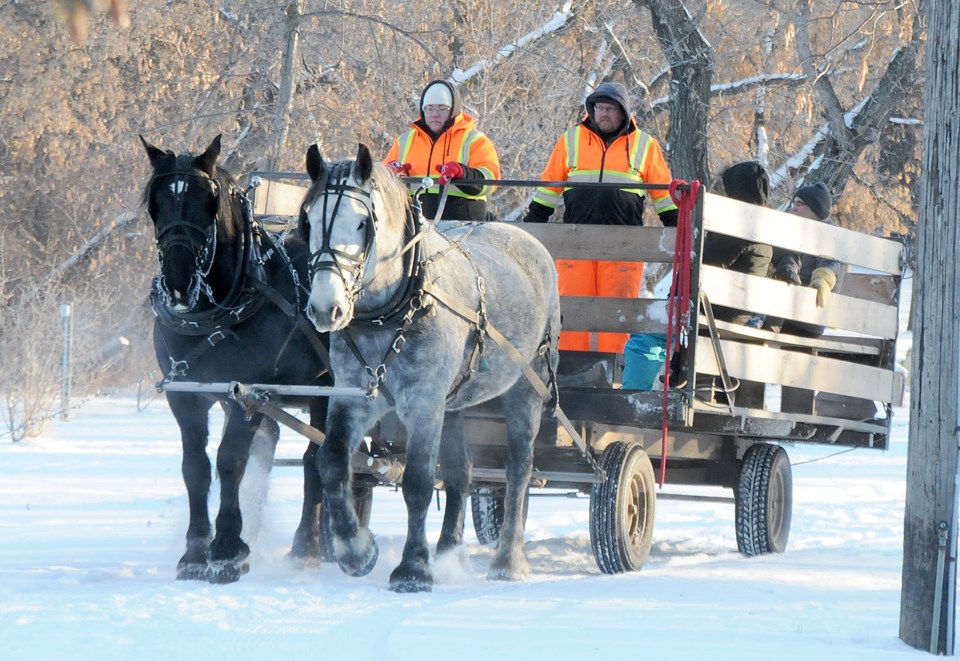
[93, 514]
[92, 518]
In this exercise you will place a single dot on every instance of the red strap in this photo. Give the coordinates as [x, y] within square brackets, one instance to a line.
[678, 307]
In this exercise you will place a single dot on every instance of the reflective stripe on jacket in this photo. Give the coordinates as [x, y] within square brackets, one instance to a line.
[580, 155]
[463, 142]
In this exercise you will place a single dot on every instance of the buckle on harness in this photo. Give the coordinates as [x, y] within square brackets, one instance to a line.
[215, 337]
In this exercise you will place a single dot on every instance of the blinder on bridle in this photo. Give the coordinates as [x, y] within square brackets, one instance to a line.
[202, 242]
[333, 183]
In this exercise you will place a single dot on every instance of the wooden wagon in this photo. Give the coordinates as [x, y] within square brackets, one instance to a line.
[743, 393]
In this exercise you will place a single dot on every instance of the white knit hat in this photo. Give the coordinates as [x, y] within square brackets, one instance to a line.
[437, 94]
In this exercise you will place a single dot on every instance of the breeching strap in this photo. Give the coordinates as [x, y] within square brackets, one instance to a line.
[538, 385]
[678, 311]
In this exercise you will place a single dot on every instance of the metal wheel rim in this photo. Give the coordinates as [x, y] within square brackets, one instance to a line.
[775, 505]
[636, 512]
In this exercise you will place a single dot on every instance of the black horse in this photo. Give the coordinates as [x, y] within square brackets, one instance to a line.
[228, 304]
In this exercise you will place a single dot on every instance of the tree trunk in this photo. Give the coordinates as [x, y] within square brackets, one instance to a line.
[285, 100]
[934, 410]
[691, 67]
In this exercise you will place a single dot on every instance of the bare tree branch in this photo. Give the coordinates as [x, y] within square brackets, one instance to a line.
[560, 19]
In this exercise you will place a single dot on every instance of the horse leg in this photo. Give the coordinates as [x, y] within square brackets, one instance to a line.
[306, 540]
[255, 484]
[228, 552]
[522, 410]
[190, 412]
[413, 574]
[308, 546]
[355, 548]
[455, 472]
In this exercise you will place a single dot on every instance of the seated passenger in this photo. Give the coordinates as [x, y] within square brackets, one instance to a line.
[746, 182]
[644, 353]
[824, 275]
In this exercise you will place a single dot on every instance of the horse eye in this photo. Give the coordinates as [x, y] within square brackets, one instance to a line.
[363, 223]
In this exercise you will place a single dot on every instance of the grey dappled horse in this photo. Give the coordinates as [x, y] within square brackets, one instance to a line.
[405, 302]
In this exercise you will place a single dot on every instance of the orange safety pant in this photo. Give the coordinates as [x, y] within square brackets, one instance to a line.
[579, 277]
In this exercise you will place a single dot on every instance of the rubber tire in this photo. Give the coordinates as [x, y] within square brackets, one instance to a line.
[623, 509]
[486, 509]
[764, 499]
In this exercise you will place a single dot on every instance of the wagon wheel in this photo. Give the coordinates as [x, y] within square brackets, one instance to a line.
[486, 506]
[622, 509]
[764, 500]
[362, 505]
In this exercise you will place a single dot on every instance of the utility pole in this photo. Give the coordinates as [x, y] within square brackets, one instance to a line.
[927, 601]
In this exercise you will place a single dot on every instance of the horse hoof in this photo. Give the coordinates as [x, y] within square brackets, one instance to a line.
[358, 558]
[221, 573]
[446, 545]
[303, 561]
[506, 568]
[192, 571]
[411, 579]
[506, 574]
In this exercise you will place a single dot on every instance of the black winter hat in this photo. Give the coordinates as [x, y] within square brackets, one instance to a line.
[747, 182]
[817, 197]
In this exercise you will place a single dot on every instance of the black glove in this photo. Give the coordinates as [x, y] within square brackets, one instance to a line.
[788, 273]
[670, 217]
[537, 213]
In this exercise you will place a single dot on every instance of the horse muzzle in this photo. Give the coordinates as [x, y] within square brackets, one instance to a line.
[329, 319]
[180, 299]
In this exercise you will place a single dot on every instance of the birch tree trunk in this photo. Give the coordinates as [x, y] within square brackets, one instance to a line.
[927, 608]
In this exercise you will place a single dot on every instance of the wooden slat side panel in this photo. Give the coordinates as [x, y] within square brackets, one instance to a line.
[614, 315]
[780, 299]
[789, 368]
[605, 242]
[870, 346]
[878, 288]
[785, 230]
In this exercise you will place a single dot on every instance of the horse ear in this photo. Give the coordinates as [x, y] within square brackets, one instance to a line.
[364, 163]
[315, 164]
[153, 153]
[208, 159]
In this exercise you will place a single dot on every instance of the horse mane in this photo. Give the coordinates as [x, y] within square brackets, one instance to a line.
[393, 193]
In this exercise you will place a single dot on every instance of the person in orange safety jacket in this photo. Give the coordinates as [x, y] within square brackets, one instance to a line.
[444, 143]
[607, 146]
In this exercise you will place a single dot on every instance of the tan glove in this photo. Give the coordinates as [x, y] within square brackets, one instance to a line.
[823, 280]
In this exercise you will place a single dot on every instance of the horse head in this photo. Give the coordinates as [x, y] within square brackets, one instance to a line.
[353, 221]
[185, 200]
